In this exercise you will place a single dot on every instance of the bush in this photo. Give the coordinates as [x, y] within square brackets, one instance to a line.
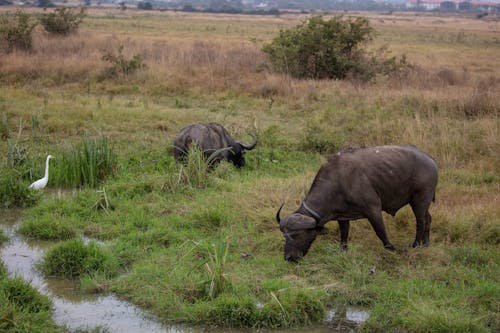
[16, 31]
[321, 49]
[63, 21]
[120, 65]
[74, 258]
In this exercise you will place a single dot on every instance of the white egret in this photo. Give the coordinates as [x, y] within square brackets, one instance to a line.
[41, 183]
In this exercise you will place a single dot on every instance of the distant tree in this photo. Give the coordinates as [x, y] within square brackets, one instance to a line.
[5, 2]
[87, 3]
[145, 5]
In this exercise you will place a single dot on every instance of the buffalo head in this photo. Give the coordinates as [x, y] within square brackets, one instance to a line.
[236, 155]
[299, 231]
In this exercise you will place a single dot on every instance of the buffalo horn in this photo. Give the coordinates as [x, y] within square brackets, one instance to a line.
[278, 213]
[251, 145]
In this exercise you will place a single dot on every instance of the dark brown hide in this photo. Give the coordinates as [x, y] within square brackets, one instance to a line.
[361, 183]
[211, 138]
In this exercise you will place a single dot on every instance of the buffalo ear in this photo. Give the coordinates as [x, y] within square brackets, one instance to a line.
[322, 230]
[300, 222]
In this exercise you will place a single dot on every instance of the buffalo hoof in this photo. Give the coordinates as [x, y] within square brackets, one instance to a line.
[343, 246]
[415, 244]
[390, 247]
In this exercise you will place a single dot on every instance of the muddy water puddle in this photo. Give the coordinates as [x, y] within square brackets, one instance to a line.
[75, 310]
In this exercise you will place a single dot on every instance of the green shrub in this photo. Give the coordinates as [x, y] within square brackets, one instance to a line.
[74, 258]
[14, 191]
[86, 164]
[120, 65]
[332, 49]
[321, 49]
[63, 21]
[16, 31]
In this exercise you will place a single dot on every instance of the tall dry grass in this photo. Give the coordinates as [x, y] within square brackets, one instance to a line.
[447, 103]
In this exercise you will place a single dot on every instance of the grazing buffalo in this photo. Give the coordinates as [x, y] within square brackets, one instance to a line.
[361, 183]
[214, 141]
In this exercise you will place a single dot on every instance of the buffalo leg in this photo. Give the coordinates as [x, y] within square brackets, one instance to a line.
[427, 229]
[377, 223]
[344, 233]
[422, 217]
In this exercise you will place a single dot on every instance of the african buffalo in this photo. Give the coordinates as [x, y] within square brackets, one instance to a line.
[361, 183]
[211, 138]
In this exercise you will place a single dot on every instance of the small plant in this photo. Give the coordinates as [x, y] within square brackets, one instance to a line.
[215, 268]
[16, 155]
[120, 65]
[194, 172]
[16, 31]
[74, 258]
[63, 21]
[86, 164]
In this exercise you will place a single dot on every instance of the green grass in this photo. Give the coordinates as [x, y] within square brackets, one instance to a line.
[14, 190]
[22, 308]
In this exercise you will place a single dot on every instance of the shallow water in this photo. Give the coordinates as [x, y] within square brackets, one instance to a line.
[74, 310]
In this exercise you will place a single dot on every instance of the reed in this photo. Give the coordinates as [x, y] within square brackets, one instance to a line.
[85, 165]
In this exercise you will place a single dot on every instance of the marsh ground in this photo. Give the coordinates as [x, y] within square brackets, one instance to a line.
[164, 230]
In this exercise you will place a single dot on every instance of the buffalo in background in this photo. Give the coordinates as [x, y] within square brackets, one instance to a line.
[215, 142]
[361, 183]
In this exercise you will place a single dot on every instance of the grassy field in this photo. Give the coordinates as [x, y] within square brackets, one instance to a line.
[204, 248]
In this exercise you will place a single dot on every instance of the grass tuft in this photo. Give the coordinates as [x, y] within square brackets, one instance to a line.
[48, 228]
[20, 293]
[74, 258]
